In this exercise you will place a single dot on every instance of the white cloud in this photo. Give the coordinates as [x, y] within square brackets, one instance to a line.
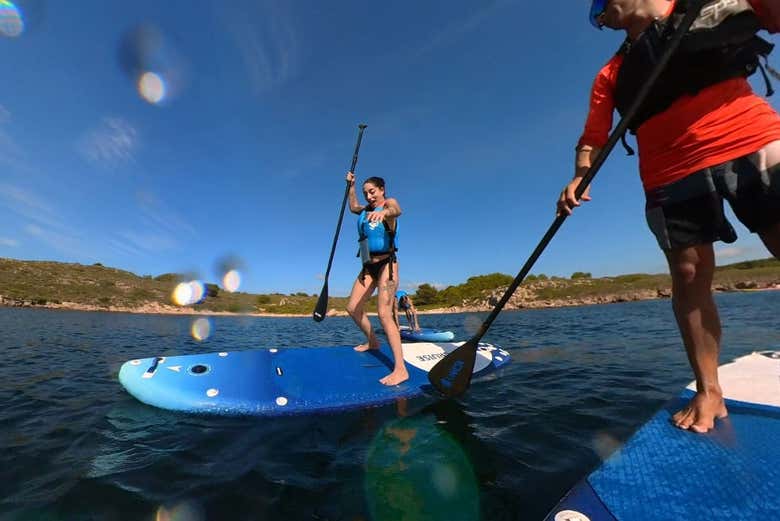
[267, 42]
[28, 205]
[749, 248]
[157, 229]
[412, 286]
[157, 215]
[19, 199]
[455, 30]
[34, 230]
[11, 153]
[148, 242]
[62, 240]
[123, 247]
[113, 142]
[43, 222]
[729, 253]
[11, 243]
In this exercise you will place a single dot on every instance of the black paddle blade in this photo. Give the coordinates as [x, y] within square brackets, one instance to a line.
[451, 376]
[321, 309]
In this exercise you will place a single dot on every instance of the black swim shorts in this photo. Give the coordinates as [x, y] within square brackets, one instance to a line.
[690, 211]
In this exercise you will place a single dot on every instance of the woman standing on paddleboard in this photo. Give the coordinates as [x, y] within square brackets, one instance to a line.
[377, 227]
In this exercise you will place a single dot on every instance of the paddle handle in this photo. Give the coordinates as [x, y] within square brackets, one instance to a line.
[601, 157]
[361, 129]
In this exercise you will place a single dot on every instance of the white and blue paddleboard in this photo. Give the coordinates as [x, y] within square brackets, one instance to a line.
[281, 381]
[425, 334]
[664, 473]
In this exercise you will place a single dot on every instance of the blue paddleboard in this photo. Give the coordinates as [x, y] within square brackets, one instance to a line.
[425, 334]
[664, 473]
[281, 381]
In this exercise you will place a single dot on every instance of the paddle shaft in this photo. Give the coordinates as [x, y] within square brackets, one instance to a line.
[361, 128]
[621, 128]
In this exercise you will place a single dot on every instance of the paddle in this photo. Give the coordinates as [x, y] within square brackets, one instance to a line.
[451, 376]
[321, 309]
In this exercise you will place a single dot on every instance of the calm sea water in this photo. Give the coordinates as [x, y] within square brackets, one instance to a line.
[75, 446]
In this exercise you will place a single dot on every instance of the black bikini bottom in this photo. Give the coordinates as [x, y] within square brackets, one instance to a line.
[375, 268]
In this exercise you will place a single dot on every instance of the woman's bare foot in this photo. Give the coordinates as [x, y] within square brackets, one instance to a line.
[700, 413]
[365, 347]
[396, 377]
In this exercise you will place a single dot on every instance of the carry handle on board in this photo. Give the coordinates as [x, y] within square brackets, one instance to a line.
[451, 376]
[321, 309]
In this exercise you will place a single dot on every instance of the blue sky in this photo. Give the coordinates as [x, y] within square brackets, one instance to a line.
[473, 109]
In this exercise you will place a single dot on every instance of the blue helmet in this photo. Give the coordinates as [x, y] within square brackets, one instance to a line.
[400, 294]
[597, 8]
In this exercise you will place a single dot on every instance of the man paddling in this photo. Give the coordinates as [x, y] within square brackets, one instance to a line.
[703, 136]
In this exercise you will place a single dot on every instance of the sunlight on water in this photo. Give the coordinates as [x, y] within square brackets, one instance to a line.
[416, 470]
[540, 354]
[231, 280]
[151, 87]
[153, 63]
[185, 511]
[11, 21]
[201, 329]
[188, 293]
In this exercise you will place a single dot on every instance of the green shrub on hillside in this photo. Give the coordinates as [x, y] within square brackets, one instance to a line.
[169, 277]
[43, 282]
[426, 294]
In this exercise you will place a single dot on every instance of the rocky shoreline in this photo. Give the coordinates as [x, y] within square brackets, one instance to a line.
[522, 299]
[151, 308]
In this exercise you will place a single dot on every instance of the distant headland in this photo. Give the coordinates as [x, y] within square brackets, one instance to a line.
[58, 285]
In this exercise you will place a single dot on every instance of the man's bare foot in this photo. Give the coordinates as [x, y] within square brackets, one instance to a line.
[366, 346]
[396, 377]
[700, 413]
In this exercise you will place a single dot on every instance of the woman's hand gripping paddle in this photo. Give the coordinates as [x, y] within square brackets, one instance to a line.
[321, 309]
[451, 376]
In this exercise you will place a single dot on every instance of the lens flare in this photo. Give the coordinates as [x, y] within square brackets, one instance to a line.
[472, 324]
[188, 293]
[181, 294]
[604, 444]
[185, 511]
[415, 467]
[231, 280]
[150, 58]
[151, 87]
[201, 329]
[11, 21]
[228, 269]
[198, 291]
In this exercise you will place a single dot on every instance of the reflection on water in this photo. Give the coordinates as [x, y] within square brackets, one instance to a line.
[416, 469]
[582, 380]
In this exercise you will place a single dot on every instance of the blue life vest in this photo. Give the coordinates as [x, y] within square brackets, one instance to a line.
[380, 238]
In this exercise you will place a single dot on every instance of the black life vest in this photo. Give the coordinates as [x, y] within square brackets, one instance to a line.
[722, 44]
